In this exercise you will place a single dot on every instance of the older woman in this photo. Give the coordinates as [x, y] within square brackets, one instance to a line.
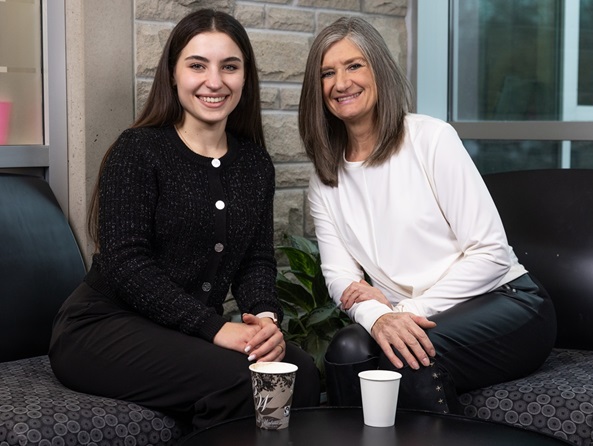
[396, 196]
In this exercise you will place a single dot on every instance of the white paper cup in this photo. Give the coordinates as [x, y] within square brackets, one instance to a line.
[379, 389]
[273, 385]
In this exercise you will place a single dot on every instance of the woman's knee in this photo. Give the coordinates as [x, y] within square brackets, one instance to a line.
[352, 344]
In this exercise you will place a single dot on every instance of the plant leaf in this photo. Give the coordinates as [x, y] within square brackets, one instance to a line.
[301, 263]
[321, 314]
[305, 279]
[316, 347]
[302, 244]
[311, 317]
[291, 337]
[290, 311]
[319, 290]
[294, 294]
[297, 329]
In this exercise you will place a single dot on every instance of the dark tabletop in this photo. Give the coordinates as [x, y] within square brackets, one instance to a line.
[344, 426]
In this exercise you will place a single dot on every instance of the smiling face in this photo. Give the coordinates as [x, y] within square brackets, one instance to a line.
[209, 77]
[349, 88]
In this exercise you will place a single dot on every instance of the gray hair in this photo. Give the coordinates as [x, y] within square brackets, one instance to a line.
[324, 136]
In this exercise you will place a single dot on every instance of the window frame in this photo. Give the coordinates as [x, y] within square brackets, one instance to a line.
[51, 156]
[432, 81]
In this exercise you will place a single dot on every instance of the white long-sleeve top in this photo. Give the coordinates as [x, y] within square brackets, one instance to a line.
[422, 225]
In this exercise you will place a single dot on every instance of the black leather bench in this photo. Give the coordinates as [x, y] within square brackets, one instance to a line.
[40, 264]
[548, 217]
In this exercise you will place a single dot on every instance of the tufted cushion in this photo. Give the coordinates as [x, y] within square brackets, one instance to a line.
[36, 409]
[557, 399]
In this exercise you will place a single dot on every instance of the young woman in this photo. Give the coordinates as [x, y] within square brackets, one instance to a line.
[397, 196]
[183, 212]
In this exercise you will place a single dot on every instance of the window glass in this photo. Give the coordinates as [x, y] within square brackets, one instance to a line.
[21, 83]
[491, 156]
[522, 67]
[582, 154]
[506, 60]
[585, 88]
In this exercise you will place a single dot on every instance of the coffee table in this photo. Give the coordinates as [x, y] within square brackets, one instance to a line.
[329, 426]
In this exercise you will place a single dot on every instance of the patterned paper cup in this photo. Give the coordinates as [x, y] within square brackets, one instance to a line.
[273, 384]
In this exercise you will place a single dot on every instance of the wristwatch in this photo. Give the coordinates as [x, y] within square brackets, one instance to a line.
[269, 314]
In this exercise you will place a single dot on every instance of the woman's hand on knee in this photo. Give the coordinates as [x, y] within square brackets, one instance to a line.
[235, 335]
[361, 291]
[404, 332]
[268, 343]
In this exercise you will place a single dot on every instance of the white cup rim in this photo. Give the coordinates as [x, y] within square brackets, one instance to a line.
[273, 367]
[379, 375]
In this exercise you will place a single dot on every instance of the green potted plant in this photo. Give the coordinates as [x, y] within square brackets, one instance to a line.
[311, 318]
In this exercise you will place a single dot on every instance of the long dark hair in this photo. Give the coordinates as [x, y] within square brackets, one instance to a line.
[324, 136]
[162, 106]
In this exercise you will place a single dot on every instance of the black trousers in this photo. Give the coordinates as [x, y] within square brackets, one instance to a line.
[100, 348]
[499, 336]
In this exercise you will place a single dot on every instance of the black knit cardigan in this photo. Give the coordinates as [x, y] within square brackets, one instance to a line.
[177, 230]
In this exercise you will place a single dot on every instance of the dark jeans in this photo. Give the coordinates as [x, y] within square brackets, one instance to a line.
[101, 348]
[499, 336]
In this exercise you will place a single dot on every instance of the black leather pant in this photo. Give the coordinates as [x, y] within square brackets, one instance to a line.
[499, 336]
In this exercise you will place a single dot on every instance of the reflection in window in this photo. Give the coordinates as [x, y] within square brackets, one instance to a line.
[585, 88]
[506, 59]
[21, 105]
[492, 156]
[502, 156]
[581, 154]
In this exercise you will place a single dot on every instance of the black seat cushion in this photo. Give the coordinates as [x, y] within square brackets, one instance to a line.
[557, 399]
[36, 409]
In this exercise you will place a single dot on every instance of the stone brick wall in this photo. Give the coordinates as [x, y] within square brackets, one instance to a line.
[281, 32]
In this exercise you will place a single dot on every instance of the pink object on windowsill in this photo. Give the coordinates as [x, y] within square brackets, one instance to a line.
[4, 121]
